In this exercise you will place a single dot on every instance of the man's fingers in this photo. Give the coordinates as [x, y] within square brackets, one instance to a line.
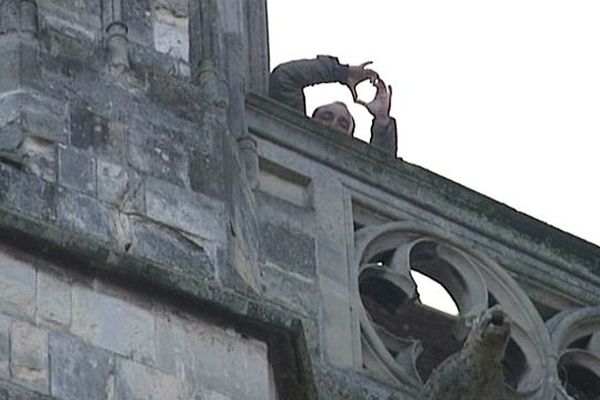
[380, 85]
[361, 102]
[372, 75]
[366, 63]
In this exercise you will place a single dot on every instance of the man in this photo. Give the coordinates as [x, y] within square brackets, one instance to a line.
[289, 79]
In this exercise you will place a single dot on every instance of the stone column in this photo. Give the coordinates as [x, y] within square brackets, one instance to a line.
[117, 41]
[218, 61]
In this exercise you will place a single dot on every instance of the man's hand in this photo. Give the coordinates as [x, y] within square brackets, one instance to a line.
[380, 106]
[357, 74]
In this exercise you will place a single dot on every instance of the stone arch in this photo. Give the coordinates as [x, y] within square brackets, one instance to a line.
[576, 342]
[473, 281]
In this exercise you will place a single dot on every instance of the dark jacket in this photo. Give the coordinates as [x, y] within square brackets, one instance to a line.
[288, 80]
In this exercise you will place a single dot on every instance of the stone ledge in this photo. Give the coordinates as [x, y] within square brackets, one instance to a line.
[279, 124]
[97, 257]
[250, 314]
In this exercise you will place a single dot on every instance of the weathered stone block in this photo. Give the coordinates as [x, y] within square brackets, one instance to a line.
[4, 346]
[171, 33]
[178, 7]
[29, 355]
[10, 110]
[291, 250]
[137, 15]
[113, 324]
[10, 391]
[68, 39]
[138, 382]
[293, 291]
[88, 129]
[86, 214]
[87, 7]
[26, 192]
[76, 170]
[162, 156]
[172, 340]
[113, 182]
[18, 63]
[39, 155]
[217, 366]
[10, 139]
[44, 117]
[210, 358]
[206, 174]
[185, 210]
[336, 323]
[17, 287]
[9, 16]
[91, 131]
[170, 247]
[212, 395]
[78, 370]
[10, 58]
[178, 95]
[53, 299]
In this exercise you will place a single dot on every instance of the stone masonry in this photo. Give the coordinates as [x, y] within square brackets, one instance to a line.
[167, 232]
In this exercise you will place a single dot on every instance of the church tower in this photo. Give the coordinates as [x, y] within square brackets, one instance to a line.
[167, 231]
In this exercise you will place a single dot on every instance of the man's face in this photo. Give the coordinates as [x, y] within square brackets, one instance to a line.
[335, 116]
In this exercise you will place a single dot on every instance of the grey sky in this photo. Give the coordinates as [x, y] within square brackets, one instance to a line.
[502, 97]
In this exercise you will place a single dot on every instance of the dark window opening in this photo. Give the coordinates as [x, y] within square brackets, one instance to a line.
[581, 343]
[515, 364]
[384, 258]
[580, 383]
[381, 294]
[391, 310]
[491, 300]
[545, 311]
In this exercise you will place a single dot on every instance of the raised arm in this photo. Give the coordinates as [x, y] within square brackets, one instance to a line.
[288, 80]
[383, 129]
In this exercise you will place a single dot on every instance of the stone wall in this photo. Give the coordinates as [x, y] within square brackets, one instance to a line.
[166, 234]
[76, 337]
[343, 226]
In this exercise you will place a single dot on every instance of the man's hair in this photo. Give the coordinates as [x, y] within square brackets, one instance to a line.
[342, 104]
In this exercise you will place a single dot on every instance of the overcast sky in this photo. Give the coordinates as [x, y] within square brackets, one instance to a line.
[500, 96]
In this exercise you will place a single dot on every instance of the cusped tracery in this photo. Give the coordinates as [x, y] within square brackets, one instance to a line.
[403, 341]
[576, 343]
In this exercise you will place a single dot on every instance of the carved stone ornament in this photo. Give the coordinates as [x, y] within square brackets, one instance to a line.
[403, 341]
[576, 342]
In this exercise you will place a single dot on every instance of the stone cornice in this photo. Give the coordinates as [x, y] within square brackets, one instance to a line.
[284, 126]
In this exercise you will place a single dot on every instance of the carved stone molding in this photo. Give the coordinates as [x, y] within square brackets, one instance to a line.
[576, 343]
[389, 252]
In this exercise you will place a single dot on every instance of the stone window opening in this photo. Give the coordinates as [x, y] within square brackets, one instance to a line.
[404, 337]
[576, 337]
[580, 382]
